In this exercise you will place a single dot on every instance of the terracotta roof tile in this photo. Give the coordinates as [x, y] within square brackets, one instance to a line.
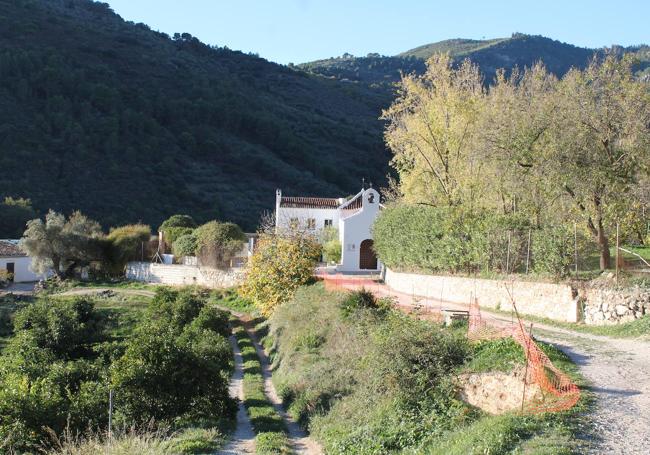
[9, 248]
[309, 202]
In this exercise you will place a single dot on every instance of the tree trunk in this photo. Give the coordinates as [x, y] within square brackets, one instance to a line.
[603, 244]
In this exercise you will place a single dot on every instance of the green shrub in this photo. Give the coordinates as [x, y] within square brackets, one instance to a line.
[48, 374]
[553, 250]
[217, 243]
[64, 328]
[172, 234]
[175, 221]
[125, 244]
[196, 441]
[185, 245]
[362, 299]
[177, 364]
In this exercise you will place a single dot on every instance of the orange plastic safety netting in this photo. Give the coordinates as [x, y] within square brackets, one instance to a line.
[558, 391]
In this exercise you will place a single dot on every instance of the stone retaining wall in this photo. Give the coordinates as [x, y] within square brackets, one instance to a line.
[595, 304]
[554, 301]
[180, 275]
[612, 306]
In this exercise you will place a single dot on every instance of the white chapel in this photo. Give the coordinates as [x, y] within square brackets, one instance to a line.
[353, 218]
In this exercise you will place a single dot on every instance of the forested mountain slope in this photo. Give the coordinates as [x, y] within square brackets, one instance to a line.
[128, 124]
[519, 50]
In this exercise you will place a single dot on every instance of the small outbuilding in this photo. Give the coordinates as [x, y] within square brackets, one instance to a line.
[14, 261]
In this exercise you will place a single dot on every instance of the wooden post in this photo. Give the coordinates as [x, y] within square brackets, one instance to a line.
[528, 341]
[617, 252]
[575, 244]
[528, 251]
[110, 415]
[508, 254]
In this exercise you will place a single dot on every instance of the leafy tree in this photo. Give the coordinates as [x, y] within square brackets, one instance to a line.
[49, 375]
[185, 221]
[601, 141]
[217, 243]
[177, 364]
[14, 215]
[279, 265]
[61, 245]
[430, 131]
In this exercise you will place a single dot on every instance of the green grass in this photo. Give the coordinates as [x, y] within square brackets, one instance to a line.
[639, 328]
[495, 355]
[229, 298]
[341, 374]
[268, 425]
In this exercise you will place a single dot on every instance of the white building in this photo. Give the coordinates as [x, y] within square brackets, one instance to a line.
[353, 218]
[16, 262]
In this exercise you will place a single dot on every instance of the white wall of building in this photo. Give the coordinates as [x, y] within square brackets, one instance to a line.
[286, 214]
[22, 269]
[353, 226]
[355, 229]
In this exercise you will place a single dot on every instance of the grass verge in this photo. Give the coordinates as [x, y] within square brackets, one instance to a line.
[368, 380]
[268, 425]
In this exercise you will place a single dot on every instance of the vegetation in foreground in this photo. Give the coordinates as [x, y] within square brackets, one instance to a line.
[372, 380]
[168, 364]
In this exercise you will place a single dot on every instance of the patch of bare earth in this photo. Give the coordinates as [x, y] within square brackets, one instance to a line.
[496, 392]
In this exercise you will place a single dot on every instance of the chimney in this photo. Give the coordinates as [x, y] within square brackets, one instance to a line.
[278, 199]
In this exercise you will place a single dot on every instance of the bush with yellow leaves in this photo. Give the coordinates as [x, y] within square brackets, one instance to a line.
[279, 265]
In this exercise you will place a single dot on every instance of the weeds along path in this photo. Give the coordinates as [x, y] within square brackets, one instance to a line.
[300, 442]
[100, 290]
[243, 439]
[617, 370]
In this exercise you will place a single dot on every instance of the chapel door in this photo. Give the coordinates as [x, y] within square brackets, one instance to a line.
[367, 256]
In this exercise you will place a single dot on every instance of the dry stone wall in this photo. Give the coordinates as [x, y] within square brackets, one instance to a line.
[613, 306]
[182, 275]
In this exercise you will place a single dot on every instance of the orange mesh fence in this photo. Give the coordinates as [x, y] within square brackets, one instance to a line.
[558, 391]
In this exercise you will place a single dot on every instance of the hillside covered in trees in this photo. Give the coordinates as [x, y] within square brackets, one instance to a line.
[520, 50]
[128, 124]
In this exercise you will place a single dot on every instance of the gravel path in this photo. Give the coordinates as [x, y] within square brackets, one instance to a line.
[300, 442]
[618, 371]
[619, 374]
[243, 439]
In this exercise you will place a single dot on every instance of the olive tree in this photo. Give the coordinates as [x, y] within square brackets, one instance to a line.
[62, 245]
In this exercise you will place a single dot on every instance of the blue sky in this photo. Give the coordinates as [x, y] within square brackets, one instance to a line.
[302, 30]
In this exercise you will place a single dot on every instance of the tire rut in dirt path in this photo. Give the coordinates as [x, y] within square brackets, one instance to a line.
[243, 439]
[300, 442]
